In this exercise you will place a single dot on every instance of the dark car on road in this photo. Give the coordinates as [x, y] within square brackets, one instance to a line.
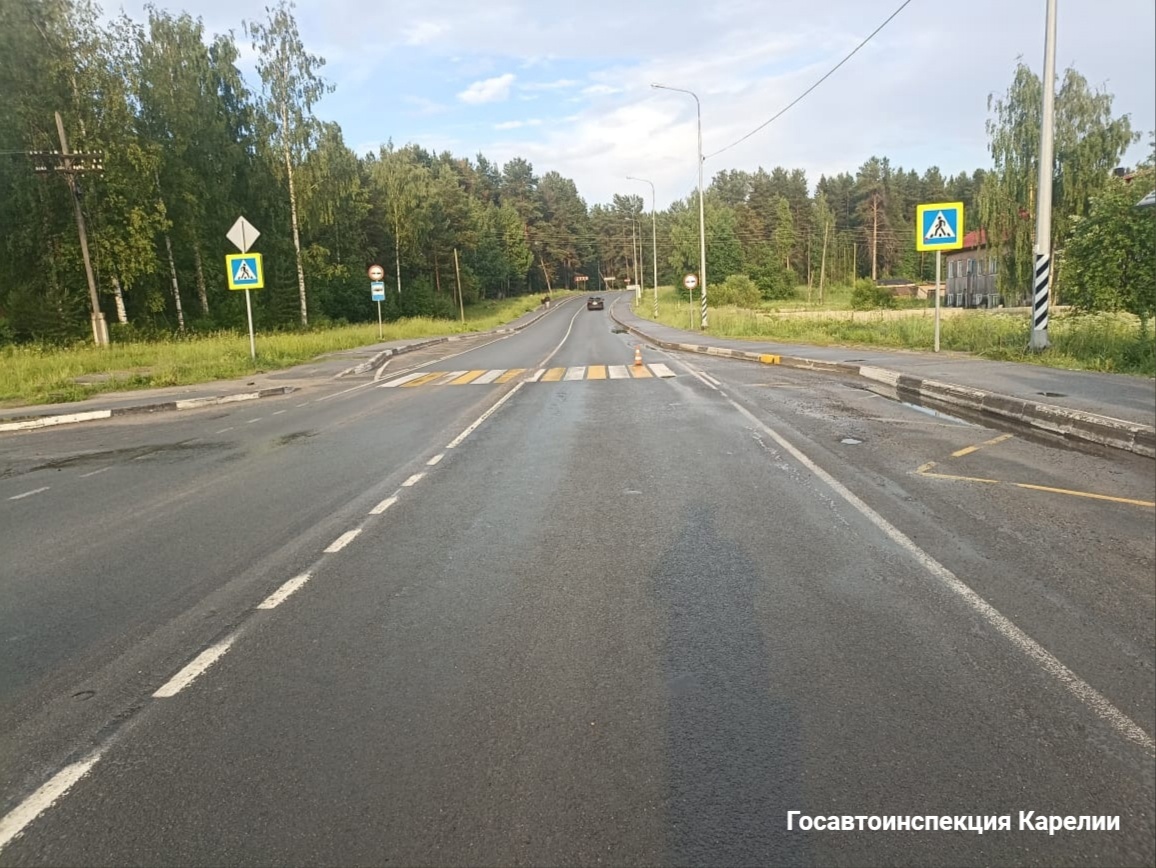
[594, 302]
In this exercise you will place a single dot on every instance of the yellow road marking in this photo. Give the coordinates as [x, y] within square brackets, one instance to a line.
[769, 359]
[553, 375]
[640, 372]
[509, 375]
[992, 442]
[925, 470]
[1147, 503]
[467, 377]
[421, 381]
[596, 372]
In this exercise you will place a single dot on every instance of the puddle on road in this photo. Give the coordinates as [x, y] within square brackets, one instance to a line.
[938, 414]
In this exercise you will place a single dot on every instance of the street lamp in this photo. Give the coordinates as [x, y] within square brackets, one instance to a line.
[635, 251]
[653, 238]
[701, 218]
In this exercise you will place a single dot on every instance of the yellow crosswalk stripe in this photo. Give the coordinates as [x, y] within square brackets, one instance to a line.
[421, 381]
[596, 372]
[639, 372]
[509, 375]
[467, 377]
[553, 375]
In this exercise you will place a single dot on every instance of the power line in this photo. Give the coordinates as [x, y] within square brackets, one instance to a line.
[799, 98]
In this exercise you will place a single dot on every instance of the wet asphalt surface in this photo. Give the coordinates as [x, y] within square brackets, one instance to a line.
[618, 623]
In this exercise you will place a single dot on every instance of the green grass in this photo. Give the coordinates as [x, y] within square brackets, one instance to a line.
[1094, 342]
[31, 374]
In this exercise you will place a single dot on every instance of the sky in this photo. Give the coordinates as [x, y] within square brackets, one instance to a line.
[566, 85]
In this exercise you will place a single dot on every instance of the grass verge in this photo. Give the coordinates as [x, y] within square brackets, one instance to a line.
[33, 374]
[1109, 342]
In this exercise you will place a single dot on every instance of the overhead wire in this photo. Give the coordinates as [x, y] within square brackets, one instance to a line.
[800, 97]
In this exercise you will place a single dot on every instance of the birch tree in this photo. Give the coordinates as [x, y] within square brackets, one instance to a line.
[291, 86]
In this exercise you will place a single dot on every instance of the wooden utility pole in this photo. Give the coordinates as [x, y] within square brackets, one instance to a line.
[458, 276]
[70, 165]
[874, 236]
[823, 260]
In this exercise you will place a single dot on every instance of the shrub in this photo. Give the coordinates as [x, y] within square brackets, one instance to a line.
[737, 289]
[868, 296]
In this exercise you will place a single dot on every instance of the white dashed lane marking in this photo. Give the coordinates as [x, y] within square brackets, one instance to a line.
[342, 541]
[194, 670]
[283, 593]
[29, 493]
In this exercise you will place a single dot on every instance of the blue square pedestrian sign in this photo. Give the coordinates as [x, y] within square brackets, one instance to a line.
[244, 271]
[939, 226]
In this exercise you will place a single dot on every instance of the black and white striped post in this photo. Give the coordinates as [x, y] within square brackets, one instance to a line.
[1042, 272]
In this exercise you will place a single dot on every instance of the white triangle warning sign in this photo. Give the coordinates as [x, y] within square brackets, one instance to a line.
[939, 228]
[244, 274]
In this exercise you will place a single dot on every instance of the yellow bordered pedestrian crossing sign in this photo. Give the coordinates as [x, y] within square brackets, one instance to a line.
[245, 271]
[939, 226]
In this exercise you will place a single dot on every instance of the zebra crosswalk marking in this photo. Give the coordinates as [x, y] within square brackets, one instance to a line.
[401, 381]
[421, 381]
[498, 376]
[467, 377]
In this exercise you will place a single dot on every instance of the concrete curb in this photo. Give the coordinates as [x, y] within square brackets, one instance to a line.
[31, 422]
[365, 367]
[1070, 424]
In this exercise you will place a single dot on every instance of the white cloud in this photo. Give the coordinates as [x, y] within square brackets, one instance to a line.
[514, 125]
[560, 84]
[423, 32]
[488, 90]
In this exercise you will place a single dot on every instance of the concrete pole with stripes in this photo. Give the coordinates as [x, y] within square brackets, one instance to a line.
[1042, 272]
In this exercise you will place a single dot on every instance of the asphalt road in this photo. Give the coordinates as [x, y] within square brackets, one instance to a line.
[624, 619]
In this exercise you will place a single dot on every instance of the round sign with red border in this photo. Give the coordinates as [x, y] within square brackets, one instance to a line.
[376, 272]
[690, 281]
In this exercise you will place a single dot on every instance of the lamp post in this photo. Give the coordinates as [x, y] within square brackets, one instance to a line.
[701, 217]
[1043, 249]
[653, 238]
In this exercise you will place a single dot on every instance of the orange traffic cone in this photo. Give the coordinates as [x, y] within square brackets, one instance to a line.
[638, 357]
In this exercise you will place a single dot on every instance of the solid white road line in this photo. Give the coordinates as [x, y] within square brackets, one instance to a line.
[60, 783]
[704, 375]
[197, 667]
[413, 480]
[436, 459]
[536, 376]
[342, 541]
[29, 493]
[704, 379]
[660, 370]
[1096, 702]
[283, 593]
[488, 377]
[94, 472]
[619, 372]
[574, 374]
[554, 351]
[453, 444]
[384, 505]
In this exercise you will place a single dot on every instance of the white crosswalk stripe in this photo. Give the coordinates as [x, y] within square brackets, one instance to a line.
[489, 377]
[575, 374]
[661, 370]
[619, 372]
[401, 381]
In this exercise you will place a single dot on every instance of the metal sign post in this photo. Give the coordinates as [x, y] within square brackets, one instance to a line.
[245, 270]
[377, 292]
[690, 282]
[939, 227]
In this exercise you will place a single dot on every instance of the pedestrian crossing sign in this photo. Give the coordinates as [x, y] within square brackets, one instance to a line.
[245, 271]
[939, 226]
